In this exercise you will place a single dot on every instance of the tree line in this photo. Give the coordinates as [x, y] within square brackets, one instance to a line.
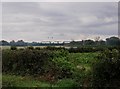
[112, 41]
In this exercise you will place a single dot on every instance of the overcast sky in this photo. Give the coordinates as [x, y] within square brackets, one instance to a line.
[38, 21]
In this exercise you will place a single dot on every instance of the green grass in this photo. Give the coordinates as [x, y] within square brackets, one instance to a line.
[19, 81]
[23, 47]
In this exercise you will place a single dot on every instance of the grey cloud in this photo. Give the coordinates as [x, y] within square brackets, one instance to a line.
[37, 21]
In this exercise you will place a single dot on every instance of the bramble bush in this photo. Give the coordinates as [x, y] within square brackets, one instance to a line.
[37, 62]
[65, 67]
[106, 72]
[24, 61]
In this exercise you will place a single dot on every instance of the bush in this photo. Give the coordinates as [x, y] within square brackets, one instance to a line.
[37, 48]
[24, 61]
[30, 47]
[85, 49]
[60, 66]
[106, 72]
[37, 62]
[13, 48]
[54, 48]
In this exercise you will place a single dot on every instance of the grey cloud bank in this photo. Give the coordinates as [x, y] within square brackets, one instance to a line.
[36, 21]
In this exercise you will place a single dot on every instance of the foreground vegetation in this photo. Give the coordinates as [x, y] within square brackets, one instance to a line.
[60, 67]
[22, 81]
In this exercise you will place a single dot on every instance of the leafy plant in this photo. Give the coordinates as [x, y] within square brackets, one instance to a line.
[106, 72]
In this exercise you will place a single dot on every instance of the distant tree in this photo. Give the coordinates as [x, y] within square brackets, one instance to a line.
[20, 43]
[97, 39]
[101, 42]
[0, 42]
[89, 42]
[12, 43]
[4, 43]
[113, 41]
[34, 44]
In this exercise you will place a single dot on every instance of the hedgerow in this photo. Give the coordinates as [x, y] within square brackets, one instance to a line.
[106, 72]
[36, 62]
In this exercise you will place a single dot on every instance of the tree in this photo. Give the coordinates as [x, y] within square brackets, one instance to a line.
[101, 42]
[12, 43]
[21, 43]
[4, 43]
[89, 42]
[113, 41]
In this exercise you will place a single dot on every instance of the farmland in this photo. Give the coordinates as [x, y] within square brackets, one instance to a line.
[20, 47]
[55, 67]
[60, 44]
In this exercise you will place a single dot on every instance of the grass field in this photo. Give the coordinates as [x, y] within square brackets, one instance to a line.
[19, 47]
[22, 47]
[82, 61]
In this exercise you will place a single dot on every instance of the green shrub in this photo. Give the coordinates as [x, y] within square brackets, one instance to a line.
[60, 66]
[65, 68]
[106, 72]
[37, 62]
[13, 48]
[54, 48]
[30, 47]
[24, 61]
[37, 48]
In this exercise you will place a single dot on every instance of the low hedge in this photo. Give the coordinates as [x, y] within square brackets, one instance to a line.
[24, 61]
[36, 62]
